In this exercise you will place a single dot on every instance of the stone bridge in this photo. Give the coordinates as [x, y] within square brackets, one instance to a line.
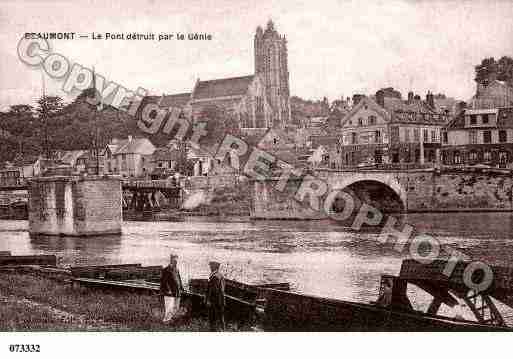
[412, 190]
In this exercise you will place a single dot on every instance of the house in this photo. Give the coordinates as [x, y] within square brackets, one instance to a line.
[390, 130]
[78, 160]
[318, 156]
[492, 94]
[165, 162]
[276, 139]
[128, 158]
[327, 150]
[479, 137]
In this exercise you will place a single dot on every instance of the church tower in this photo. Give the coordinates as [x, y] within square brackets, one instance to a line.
[271, 64]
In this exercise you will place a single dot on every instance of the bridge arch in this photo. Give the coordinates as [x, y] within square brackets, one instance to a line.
[385, 182]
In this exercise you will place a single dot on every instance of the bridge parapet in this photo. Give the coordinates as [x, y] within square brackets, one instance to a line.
[150, 184]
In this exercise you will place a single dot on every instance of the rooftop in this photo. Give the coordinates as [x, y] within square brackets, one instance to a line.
[234, 86]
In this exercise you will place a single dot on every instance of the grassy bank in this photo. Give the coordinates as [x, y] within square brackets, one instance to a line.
[31, 302]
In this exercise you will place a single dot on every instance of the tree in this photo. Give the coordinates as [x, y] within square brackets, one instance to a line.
[48, 109]
[489, 70]
[505, 65]
[18, 121]
[219, 123]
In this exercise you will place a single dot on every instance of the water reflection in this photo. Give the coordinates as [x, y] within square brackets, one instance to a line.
[317, 257]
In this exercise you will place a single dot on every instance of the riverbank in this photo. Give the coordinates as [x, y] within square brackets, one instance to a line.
[34, 302]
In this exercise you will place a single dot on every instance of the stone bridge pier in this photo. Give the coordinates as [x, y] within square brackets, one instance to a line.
[75, 206]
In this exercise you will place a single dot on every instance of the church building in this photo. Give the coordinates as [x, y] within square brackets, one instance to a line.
[259, 101]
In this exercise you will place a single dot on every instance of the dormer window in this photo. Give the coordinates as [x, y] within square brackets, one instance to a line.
[360, 121]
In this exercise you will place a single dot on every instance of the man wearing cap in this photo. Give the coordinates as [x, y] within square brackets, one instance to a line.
[215, 298]
[171, 289]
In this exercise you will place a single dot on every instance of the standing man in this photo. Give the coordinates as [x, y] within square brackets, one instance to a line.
[171, 289]
[215, 298]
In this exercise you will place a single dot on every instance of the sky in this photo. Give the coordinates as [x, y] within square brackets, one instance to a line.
[336, 48]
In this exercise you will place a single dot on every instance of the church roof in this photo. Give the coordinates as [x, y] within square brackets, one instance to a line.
[234, 86]
[176, 100]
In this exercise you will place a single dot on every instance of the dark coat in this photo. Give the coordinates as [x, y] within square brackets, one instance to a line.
[170, 282]
[215, 290]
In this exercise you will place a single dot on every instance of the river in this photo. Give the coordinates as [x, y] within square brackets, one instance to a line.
[316, 257]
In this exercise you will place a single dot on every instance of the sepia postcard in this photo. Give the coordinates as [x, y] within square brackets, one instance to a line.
[254, 167]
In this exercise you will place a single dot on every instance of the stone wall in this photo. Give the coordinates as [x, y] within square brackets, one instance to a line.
[75, 206]
[459, 191]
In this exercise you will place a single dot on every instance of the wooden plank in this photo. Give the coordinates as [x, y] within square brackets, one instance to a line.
[107, 266]
[99, 271]
[48, 260]
[150, 272]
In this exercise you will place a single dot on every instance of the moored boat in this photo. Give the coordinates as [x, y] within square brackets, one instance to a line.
[287, 311]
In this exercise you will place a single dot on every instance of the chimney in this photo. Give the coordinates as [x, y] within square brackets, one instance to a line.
[410, 97]
[430, 99]
[380, 98]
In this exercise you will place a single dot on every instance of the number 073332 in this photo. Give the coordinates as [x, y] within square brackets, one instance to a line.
[24, 348]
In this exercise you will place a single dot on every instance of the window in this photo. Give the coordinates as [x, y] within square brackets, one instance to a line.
[378, 156]
[354, 138]
[431, 156]
[377, 136]
[433, 136]
[416, 134]
[425, 136]
[472, 156]
[503, 136]
[503, 157]
[487, 136]
[484, 118]
[473, 119]
[406, 135]
[360, 121]
[445, 137]
[394, 134]
[372, 120]
[457, 157]
[487, 156]
[472, 137]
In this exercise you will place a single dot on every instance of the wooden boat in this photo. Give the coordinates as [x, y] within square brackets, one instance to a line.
[298, 312]
[242, 300]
